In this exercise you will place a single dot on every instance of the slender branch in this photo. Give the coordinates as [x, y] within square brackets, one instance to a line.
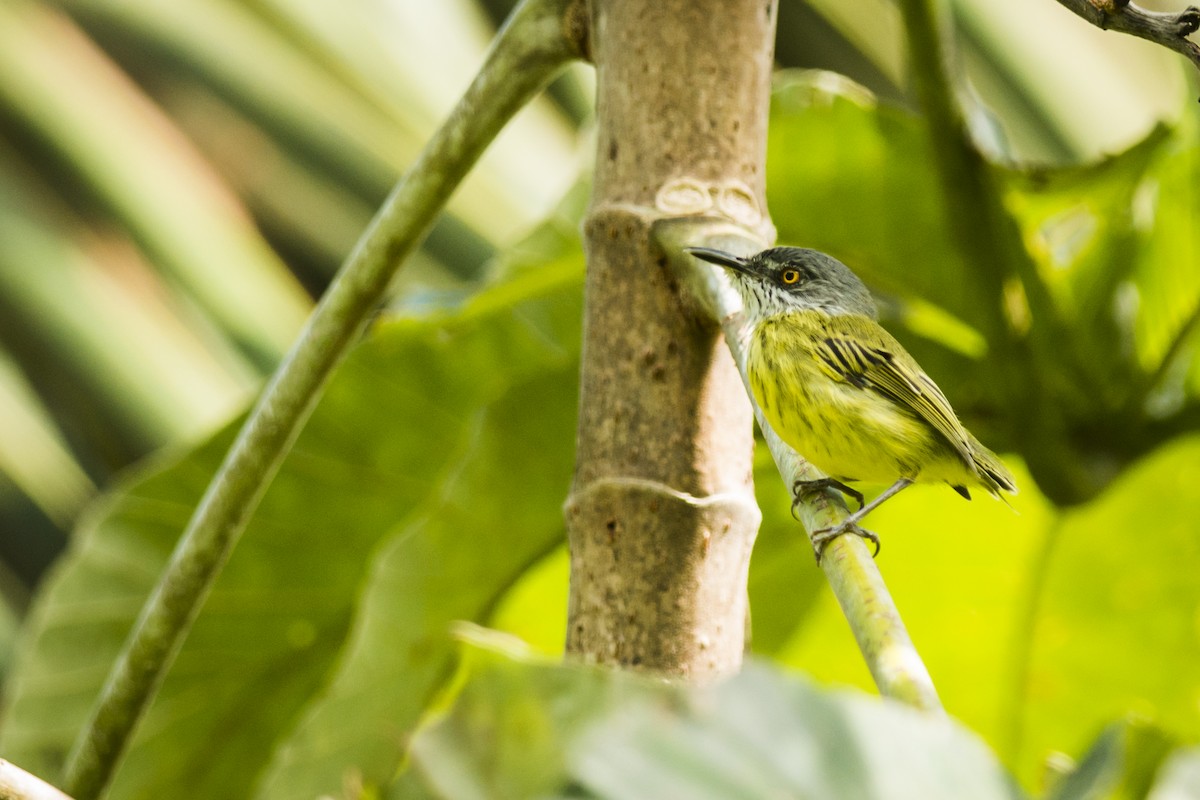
[17, 784]
[1169, 29]
[532, 47]
[889, 653]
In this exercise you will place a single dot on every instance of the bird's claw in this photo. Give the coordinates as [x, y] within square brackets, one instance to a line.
[803, 488]
[822, 537]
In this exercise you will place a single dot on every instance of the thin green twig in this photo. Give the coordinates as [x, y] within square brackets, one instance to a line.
[532, 47]
[887, 649]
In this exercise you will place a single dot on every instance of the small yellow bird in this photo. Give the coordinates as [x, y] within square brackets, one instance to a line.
[842, 391]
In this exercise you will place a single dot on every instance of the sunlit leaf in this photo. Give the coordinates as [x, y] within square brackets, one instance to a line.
[1166, 277]
[1116, 630]
[854, 177]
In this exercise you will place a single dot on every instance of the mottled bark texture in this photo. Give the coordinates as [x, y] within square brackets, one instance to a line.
[662, 515]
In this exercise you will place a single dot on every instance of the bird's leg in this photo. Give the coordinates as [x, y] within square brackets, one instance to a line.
[802, 488]
[887, 493]
[821, 538]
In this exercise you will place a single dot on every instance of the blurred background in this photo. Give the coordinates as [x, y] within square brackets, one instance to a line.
[179, 181]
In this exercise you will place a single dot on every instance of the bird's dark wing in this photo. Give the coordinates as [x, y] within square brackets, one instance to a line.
[856, 350]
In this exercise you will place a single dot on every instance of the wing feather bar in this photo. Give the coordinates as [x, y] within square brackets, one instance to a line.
[883, 365]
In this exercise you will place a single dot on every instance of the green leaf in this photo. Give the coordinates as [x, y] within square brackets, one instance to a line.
[1080, 224]
[1095, 233]
[1116, 629]
[521, 729]
[388, 520]
[853, 177]
[496, 511]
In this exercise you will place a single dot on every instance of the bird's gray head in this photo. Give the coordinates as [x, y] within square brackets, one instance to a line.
[792, 278]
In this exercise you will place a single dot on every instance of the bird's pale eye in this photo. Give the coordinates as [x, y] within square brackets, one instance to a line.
[789, 276]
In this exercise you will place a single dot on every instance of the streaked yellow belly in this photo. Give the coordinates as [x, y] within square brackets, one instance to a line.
[845, 431]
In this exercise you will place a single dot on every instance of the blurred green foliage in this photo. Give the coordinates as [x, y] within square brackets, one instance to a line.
[177, 181]
[522, 729]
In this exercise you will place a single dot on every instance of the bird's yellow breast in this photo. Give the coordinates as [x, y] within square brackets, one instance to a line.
[847, 431]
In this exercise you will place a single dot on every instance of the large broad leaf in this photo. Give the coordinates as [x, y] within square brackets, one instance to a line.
[1116, 242]
[498, 511]
[431, 474]
[523, 729]
[1115, 629]
[1166, 278]
[1085, 228]
[854, 177]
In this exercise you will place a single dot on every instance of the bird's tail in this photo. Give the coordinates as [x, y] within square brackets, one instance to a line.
[994, 476]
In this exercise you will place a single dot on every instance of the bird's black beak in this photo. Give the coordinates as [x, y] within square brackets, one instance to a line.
[720, 258]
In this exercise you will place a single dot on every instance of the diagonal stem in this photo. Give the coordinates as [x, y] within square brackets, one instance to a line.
[533, 46]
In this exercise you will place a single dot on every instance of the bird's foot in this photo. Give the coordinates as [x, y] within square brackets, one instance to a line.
[821, 538]
[802, 489]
